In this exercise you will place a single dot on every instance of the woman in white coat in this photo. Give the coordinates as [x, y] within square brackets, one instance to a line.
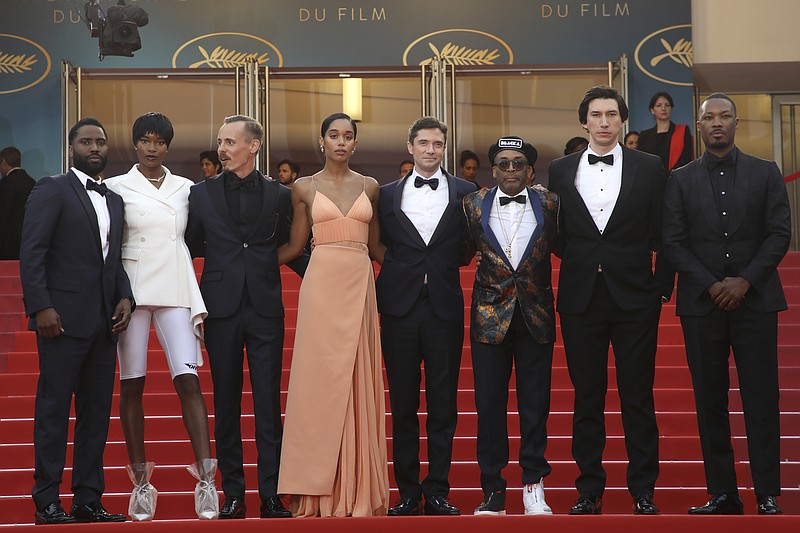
[165, 288]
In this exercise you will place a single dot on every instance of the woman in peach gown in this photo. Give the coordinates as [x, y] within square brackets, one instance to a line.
[333, 459]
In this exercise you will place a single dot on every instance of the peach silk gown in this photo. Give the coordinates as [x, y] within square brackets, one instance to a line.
[333, 459]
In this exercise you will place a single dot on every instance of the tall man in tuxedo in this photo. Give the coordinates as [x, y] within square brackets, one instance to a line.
[15, 187]
[610, 222]
[513, 322]
[240, 218]
[727, 225]
[79, 299]
[422, 313]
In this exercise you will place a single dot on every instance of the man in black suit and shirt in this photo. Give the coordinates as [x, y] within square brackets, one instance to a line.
[15, 187]
[419, 295]
[239, 219]
[727, 225]
[79, 299]
[610, 223]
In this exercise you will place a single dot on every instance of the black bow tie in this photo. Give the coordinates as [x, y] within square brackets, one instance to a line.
[246, 184]
[99, 188]
[607, 159]
[717, 162]
[419, 181]
[505, 200]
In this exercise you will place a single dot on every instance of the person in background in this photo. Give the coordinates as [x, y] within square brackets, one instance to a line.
[288, 171]
[727, 225]
[15, 187]
[576, 144]
[209, 162]
[632, 140]
[610, 221]
[164, 285]
[512, 321]
[469, 164]
[405, 167]
[671, 142]
[78, 298]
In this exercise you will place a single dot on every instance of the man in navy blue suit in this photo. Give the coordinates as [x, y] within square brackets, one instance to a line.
[240, 218]
[419, 295]
[79, 299]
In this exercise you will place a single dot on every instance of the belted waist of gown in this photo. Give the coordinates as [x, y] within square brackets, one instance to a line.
[340, 231]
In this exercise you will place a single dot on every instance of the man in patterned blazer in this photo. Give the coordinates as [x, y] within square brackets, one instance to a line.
[512, 320]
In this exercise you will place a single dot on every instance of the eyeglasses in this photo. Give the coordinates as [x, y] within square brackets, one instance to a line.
[518, 164]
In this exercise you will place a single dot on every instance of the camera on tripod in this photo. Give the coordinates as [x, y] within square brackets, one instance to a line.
[118, 29]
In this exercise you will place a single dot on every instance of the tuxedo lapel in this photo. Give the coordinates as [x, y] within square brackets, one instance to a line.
[486, 210]
[536, 207]
[402, 219]
[571, 172]
[216, 194]
[268, 211]
[452, 205]
[88, 207]
[628, 179]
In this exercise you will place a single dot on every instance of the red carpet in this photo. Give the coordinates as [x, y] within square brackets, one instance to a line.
[680, 485]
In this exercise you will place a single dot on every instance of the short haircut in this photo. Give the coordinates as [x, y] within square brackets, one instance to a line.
[88, 121]
[573, 143]
[326, 124]
[155, 124]
[405, 162]
[719, 96]
[629, 134]
[252, 129]
[658, 95]
[11, 155]
[294, 166]
[426, 123]
[466, 155]
[601, 92]
[212, 156]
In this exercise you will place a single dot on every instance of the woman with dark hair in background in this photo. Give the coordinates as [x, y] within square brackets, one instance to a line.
[576, 144]
[671, 142]
[165, 288]
[333, 459]
[209, 161]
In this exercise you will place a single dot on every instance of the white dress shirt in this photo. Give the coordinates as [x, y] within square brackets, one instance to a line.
[424, 206]
[599, 185]
[508, 217]
[100, 209]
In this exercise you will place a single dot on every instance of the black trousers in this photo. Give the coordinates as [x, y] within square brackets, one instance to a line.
[226, 339]
[491, 366]
[407, 342]
[85, 368]
[754, 339]
[634, 337]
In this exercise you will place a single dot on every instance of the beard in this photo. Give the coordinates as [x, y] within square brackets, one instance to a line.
[89, 168]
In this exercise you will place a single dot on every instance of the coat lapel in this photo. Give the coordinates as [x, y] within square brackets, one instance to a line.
[628, 177]
[452, 205]
[88, 207]
[536, 207]
[486, 210]
[571, 169]
[269, 197]
[216, 193]
[403, 220]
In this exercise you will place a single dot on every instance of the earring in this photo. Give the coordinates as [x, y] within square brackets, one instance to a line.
[354, 151]
[321, 148]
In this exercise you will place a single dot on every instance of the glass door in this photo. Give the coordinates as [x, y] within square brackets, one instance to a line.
[786, 149]
[70, 106]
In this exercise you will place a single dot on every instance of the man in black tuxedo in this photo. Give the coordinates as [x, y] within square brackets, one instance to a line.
[239, 219]
[727, 225]
[15, 187]
[79, 299]
[422, 313]
[610, 223]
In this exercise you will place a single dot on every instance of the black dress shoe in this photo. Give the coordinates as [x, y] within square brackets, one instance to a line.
[587, 504]
[643, 504]
[233, 508]
[767, 504]
[94, 512]
[493, 504]
[727, 503]
[273, 507]
[438, 505]
[53, 514]
[406, 507]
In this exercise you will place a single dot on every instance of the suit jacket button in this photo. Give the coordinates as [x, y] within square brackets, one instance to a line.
[245, 245]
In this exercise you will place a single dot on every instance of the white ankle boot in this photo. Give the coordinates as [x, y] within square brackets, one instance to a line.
[206, 499]
[142, 505]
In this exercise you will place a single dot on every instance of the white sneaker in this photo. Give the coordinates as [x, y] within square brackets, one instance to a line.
[533, 499]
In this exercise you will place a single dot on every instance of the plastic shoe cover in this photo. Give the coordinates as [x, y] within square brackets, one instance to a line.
[142, 505]
[206, 498]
